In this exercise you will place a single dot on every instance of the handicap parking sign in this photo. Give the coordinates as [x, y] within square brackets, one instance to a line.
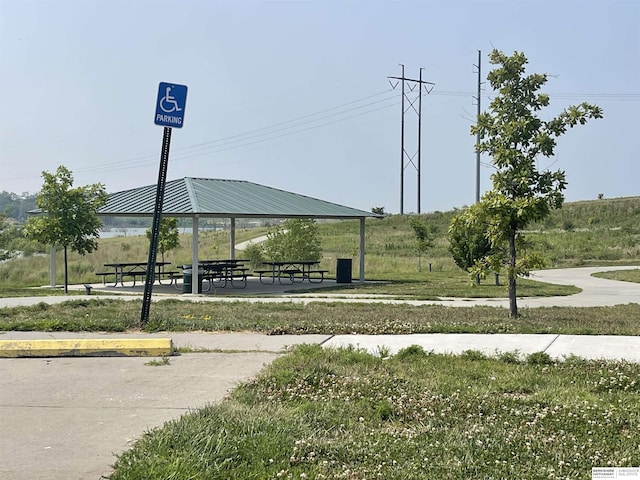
[172, 100]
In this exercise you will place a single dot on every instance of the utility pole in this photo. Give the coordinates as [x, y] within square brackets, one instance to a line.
[402, 145]
[405, 158]
[419, 137]
[478, 134]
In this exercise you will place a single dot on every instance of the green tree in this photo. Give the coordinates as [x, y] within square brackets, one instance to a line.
[5, 251]
[69, 215]
[168, 236]
[254, 253]
[474, 252]
[513, 135]
[424, 241]
[16, 206]
[468, 243]
[297, 239]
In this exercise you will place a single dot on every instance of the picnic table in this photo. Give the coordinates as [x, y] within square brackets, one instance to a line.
[133, 270]
[291, 271]
[221, 272]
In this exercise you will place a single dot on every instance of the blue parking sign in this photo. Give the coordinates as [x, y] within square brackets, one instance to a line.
[172, 100]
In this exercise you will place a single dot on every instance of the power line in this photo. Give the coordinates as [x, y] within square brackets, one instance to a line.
[249, 135]
[299, 118]
[292, 126]
[244, 139]
[219, 150]
[607, 97]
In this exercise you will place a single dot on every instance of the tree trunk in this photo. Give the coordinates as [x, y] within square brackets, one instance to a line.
[513, 306]
[66, 271]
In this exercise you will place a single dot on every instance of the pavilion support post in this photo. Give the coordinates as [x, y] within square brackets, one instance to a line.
[232, 239]
[52, 265]
[362, 250]
[195, 281]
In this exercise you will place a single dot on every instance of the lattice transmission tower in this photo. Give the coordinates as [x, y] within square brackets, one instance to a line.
[412, 91]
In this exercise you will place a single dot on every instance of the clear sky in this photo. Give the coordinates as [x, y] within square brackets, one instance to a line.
[295, 95]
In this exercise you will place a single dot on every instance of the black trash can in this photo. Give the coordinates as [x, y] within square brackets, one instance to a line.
[343, 270]
[187, 279]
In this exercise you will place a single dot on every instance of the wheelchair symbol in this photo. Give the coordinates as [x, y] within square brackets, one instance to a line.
[168, 103]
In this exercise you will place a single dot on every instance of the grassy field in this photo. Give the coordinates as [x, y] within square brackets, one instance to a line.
[345, 414]
[624, 276]
[599, 232]
[326, 318]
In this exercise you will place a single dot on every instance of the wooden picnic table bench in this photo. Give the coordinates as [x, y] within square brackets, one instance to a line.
[219, 273]
[173, 276]
[133, 270]
[316, 276]
[291, 271]
[219, 278]
[104, 276]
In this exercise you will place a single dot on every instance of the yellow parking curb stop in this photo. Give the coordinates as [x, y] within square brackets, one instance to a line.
[125, 347]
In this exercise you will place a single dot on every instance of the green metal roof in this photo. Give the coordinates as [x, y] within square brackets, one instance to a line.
[210, 197]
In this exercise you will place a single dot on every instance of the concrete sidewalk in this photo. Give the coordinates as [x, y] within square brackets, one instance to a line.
[610, 347]
[557, 346]
[195, 341]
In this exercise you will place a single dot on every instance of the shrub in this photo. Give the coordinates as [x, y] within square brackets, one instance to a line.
[540, 358]
[412, 351]
[474, 355]
[254, 254]
[298, 239]
[510, 357]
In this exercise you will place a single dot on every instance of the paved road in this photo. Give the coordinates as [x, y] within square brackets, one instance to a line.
[66, 418]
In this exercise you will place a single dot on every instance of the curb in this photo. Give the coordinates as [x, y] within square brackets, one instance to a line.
[127, 347]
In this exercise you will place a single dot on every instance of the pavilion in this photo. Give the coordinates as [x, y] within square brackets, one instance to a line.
[198, 198]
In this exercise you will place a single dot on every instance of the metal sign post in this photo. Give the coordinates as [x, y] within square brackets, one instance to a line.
[170, 107]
